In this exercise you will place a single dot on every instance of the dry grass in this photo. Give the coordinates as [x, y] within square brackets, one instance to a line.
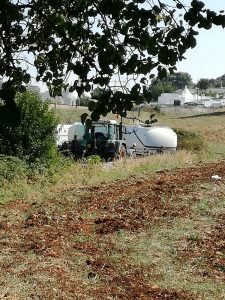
[149, 228]
[80, 175]
[168, 244]
[209, 125]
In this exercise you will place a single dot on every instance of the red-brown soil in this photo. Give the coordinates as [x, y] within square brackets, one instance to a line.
[46, 240]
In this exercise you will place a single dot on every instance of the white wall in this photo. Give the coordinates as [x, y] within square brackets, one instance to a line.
[168, 98]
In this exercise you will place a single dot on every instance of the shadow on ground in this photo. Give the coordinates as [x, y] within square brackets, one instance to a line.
[212, 114]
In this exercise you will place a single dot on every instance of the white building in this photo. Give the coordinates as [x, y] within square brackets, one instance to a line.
[187, 98]
[213, 103]
[176, 99]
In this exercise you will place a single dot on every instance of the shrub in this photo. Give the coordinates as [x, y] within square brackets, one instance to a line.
[94, 160]
[191, 141]
[33, 140]
[12, 168]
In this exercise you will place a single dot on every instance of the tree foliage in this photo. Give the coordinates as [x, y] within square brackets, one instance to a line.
[179, 80]
[93, 40]
[218, 82]
[160, 87]
[207, 83]
[203, 84]
[83, 101]
[170, 84]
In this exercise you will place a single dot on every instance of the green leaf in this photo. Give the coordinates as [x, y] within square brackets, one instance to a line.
[83, 118]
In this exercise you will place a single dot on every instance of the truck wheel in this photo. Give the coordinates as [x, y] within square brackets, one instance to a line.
[112, 157]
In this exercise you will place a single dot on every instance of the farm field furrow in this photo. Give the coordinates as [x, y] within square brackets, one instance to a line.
[161, 237]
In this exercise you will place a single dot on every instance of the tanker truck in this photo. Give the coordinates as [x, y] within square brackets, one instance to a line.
[150, 139]
[107, 138]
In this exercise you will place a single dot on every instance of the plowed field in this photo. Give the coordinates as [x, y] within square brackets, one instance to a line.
[143, 238]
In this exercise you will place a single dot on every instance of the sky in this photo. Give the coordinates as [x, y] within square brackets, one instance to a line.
[207, 59]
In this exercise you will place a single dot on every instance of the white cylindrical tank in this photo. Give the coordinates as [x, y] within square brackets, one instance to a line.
[79, 130]
[67, 132]
[150, 139]
[162, 137]
[62, 134]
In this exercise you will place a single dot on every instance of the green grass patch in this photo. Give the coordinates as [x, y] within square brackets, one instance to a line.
[191, 141]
